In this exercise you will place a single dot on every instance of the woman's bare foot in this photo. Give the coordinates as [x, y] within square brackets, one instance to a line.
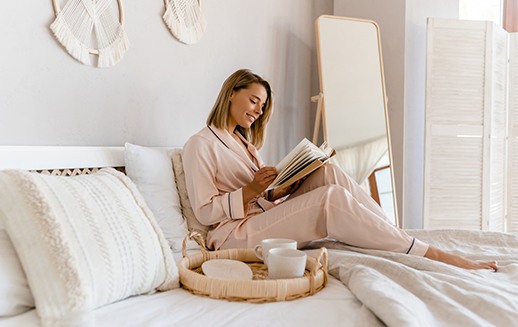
[439, 255]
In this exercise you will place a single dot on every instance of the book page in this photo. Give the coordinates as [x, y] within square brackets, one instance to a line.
[300, 162]
[302, 156]
[293, 153]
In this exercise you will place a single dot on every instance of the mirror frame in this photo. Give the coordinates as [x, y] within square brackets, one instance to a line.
[320, 118]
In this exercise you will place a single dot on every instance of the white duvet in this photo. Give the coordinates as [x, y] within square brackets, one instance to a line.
[402, 290]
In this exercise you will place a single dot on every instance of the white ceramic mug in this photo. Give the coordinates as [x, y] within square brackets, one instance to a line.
[286, 263]
[271, 243]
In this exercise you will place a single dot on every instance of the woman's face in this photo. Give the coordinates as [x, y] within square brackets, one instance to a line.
[246, 105]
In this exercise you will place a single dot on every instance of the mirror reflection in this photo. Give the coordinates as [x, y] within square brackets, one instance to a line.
[352, 104]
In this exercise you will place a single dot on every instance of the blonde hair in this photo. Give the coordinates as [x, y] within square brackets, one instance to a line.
[220, 113]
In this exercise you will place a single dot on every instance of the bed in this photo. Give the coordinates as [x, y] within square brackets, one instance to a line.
[365, 287]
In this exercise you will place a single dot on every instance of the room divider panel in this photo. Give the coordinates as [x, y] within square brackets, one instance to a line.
[471, 169]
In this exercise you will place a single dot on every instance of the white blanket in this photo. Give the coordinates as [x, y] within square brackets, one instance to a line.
[404, 290]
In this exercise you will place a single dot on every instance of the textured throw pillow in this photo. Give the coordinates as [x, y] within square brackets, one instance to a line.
[192, 223]
[15, 295]
[83, 241]
[151, 170]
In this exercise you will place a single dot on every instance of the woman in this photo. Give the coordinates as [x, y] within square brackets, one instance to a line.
[227, 181]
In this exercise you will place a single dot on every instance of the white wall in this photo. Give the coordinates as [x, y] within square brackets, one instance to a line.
[417, 12]
[162, 90]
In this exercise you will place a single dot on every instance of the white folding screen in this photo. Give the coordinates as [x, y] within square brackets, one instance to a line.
[512, 169]
[465, 131]
[498, 41]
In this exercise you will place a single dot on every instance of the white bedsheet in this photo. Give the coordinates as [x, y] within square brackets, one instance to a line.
[332, 306]
[402, 290]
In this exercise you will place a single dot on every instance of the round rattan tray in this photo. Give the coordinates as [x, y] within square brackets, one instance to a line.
[260, 288]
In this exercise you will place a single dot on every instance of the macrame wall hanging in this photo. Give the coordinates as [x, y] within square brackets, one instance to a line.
[90, 27]
[185, 20]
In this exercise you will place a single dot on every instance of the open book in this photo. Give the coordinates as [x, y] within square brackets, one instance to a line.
[300, 162]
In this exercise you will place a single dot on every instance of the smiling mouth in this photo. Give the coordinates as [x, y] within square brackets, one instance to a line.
[252, 118]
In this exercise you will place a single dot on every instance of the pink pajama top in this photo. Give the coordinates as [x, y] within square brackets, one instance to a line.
[216, 170]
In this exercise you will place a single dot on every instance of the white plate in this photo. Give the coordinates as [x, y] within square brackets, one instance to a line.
[227, 269]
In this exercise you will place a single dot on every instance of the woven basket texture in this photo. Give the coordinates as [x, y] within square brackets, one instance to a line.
[260, 288]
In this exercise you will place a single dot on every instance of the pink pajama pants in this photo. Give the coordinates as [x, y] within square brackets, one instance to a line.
[329, 204]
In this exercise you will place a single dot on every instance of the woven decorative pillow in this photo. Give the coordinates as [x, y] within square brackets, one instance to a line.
[192, 223]
[83, 241]
[15, 295]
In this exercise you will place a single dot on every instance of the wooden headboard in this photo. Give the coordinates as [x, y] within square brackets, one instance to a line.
[61, 160]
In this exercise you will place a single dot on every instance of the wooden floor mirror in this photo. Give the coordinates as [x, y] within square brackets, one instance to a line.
[352, 104]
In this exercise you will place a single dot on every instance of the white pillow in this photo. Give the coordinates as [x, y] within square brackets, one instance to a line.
[15, 294]
[151, 170]
[83, 241]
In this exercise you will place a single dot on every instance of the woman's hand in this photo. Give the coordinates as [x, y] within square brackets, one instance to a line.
[262, 179]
